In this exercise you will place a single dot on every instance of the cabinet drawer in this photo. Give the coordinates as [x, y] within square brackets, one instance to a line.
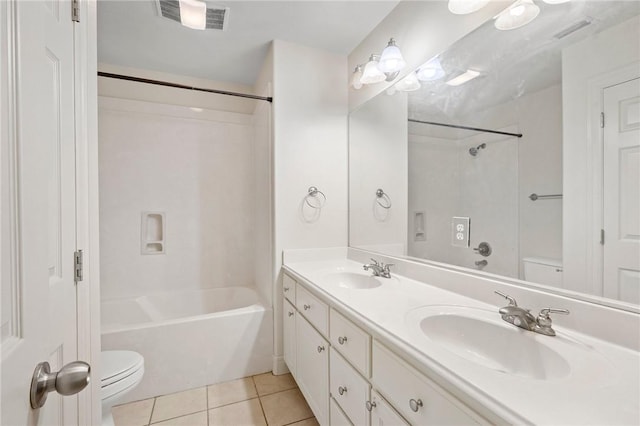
[353, 343]
[313, 309]
[337, 416]
[349, 389]
[289, 288]
[417, 398]
[382, 413]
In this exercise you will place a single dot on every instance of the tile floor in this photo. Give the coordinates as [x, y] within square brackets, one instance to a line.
[262, 400]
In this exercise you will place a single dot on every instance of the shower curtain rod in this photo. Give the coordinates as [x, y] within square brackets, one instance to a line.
[182, 86]
[477, 129]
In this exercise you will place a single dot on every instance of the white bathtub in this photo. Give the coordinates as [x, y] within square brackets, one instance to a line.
[191, 338]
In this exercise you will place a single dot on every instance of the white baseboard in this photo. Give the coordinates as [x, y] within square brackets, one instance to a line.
[279, 366]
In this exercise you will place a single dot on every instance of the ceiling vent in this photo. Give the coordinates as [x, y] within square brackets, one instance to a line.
[217, 16]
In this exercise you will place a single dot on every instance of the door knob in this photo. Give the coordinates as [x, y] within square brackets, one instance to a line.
[71, 379]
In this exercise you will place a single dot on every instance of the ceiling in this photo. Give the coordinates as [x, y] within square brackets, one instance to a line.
[132, 34]
[513, 63]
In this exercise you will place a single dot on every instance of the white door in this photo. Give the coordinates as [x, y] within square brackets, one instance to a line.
[312, 368]
[38, 206]
[621, 263]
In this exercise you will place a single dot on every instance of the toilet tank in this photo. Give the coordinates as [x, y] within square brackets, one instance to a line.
[543, 270]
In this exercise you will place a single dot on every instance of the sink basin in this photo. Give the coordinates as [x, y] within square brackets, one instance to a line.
[482, 337]
[352, 280]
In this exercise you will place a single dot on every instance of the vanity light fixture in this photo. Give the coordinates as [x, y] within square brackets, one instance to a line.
[463, 7]
[408, 84]
[463, 78]
[193, 14]
[356, 78]
[430, 71]
[391, 59]
[517, 15]
[371, 73]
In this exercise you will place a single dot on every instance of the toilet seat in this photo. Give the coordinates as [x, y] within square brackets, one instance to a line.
[121, 370]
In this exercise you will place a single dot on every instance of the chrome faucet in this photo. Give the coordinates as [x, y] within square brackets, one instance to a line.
[379, 269]
[513, 314]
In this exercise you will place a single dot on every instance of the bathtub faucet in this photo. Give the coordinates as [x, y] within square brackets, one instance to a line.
[379, 269]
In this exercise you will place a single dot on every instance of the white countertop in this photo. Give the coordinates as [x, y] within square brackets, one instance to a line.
[602, 387]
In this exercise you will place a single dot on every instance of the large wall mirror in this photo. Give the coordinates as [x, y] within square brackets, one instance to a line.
[496, 158]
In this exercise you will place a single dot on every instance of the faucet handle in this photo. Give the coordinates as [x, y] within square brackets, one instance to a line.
[386, 266]
[512, 301]
[544, 322]
[546, 311]
[375, 262]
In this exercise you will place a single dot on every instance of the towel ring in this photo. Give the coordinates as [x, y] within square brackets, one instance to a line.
[313, 192]
[383, 199]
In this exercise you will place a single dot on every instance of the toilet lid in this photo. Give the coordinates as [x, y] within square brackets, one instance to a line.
[116, 365]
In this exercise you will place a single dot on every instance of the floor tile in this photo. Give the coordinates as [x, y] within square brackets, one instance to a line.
[309, 422]
[197, 419]
[245, 413]
[179, 404]
[133, 414]
[268, 383]
[230, 392]
[285, 407]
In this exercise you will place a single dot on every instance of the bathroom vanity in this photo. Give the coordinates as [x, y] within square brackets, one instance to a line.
[368, 350]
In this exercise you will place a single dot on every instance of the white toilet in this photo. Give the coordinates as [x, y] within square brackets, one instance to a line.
[121, 372]
[543, 270]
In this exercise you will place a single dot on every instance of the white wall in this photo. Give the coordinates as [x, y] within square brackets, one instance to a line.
[262, 124]
[585, 66]
[310, 149]
[378, 159]
[197, 168]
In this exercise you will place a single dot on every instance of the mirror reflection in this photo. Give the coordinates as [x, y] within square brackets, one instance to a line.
[493, 157]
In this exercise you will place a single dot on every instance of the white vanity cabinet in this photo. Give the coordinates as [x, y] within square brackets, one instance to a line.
[348, 378]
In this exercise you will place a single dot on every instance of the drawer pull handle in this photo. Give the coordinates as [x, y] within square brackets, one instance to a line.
[286, 289]
[415, 405]
[290, 313]
[307, 307]
[320, 349]
[342, 390]
[342, 340]
[370, 405]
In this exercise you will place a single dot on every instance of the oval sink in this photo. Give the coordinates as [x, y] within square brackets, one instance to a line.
[352, 280]
[480, 336]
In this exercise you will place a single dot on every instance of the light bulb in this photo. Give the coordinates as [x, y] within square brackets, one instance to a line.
[356, 79]
[193, 14]
[517, 15]
[408, 84]
[430, 71]
[391, 59]
[371, 73]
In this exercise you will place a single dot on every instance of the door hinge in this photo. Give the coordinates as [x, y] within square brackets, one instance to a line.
[75, 10]
[77, 266]
[602, 236]
[602, 120]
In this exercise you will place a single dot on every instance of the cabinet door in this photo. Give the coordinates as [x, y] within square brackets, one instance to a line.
[312, 368]
[289, 327]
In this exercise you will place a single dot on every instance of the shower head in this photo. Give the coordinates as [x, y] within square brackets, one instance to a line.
[474, 150]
